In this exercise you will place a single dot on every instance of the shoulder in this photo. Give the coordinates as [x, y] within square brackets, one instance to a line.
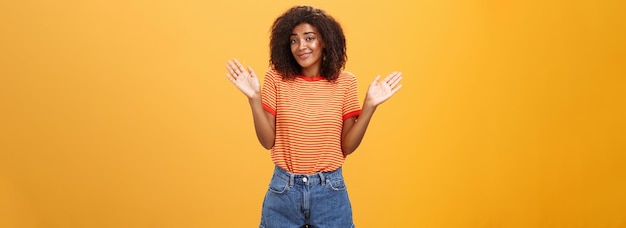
[346, 74]
[346, 77]
[273, 75]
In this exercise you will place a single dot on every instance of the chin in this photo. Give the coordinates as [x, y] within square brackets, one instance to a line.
[305, 64]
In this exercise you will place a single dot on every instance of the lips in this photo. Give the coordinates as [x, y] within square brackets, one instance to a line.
[304, 56]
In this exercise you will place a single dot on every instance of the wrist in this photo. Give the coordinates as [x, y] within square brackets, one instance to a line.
[368, 108]
[369, 105]
[254, 99]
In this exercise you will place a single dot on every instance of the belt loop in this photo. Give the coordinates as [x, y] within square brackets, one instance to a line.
[291, 179]
[322, 178]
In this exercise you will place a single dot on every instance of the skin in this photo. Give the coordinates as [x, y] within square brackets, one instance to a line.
[306, 46]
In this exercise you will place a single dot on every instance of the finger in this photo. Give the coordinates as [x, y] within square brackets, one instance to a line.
[394, 75]
[240, 66]
[390, 76]
[396, 89]
[231, 68]
[252, 74]
[230, 77]
[393, 82]
[375, 82]
[393, 78]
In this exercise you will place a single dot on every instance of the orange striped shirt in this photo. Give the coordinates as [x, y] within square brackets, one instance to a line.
[309, 117]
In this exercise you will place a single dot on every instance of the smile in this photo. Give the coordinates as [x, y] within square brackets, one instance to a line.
[304, 56]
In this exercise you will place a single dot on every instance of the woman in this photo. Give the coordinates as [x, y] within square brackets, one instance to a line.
[308, 115]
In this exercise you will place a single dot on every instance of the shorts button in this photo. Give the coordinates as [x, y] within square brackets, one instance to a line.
[304, 179]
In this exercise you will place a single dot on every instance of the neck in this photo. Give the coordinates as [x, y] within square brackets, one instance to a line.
[311, 71]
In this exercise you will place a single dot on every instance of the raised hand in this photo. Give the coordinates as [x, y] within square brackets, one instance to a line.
[380, 91]
[245, 80]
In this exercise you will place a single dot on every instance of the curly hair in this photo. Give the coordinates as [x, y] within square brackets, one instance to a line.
[333, 55]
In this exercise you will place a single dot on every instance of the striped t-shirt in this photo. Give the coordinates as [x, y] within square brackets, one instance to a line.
[309, 117]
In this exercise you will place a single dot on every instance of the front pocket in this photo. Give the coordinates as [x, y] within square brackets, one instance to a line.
[337, 184]
[278, 185]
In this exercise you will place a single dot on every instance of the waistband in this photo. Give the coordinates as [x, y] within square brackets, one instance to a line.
[307, 179]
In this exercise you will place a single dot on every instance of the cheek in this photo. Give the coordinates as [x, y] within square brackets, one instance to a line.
[320, 44]
[293, 48]
[316, 46]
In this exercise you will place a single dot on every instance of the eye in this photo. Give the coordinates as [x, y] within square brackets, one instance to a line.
[293, 41]
[310, 38]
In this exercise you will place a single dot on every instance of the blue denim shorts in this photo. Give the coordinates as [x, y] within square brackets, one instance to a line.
[316, 200]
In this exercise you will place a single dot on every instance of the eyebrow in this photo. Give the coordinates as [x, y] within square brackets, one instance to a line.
[306, 33]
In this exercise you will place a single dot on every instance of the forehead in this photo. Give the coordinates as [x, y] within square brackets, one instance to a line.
[303, 28]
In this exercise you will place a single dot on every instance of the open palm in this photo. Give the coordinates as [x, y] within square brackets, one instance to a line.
[380, 91]
[245, 80]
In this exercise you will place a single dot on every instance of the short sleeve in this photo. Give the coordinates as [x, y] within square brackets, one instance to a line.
[268, 91]
[350, 106]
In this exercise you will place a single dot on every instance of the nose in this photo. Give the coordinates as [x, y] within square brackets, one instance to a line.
[302, 44]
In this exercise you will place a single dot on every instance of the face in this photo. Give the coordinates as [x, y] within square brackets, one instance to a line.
[307, 47]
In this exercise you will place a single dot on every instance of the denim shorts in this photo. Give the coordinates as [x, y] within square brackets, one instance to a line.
[316, 200]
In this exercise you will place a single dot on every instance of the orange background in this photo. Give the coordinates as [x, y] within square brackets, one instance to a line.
[118, 113]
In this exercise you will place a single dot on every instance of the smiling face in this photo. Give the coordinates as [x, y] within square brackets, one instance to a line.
[307, 47]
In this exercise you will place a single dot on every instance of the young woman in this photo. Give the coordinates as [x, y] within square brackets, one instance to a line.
[308, 115]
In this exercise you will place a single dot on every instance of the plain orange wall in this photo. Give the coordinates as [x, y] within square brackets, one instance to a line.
[118, 113]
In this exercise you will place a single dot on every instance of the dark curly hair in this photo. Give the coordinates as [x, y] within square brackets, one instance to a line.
[333, 55]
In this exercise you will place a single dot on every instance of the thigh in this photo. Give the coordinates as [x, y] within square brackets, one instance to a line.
[281, 206]
[330, 205]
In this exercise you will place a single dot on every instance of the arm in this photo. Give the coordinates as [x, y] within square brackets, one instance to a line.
[354, 130]
[377, 93]
[264, 123]
[248, 83]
